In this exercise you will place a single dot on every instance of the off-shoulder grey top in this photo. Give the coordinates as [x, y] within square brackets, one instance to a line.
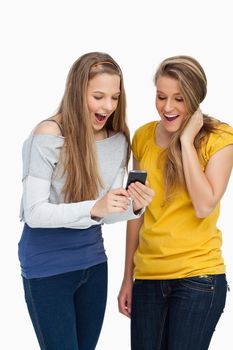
[42, 202]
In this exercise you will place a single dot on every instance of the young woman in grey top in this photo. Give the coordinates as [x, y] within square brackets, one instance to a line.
[73, 169]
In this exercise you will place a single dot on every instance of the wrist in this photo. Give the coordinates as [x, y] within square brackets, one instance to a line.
[138, 211]
[96, 218]
[94, 214]
[128, 274]
[186, 142]
[128, 279]
[136, 208]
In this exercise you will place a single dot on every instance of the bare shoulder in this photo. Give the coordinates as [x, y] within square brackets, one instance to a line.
[47, 127]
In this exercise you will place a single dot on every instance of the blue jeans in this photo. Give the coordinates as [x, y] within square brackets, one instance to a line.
[67, 310]
[178, 314]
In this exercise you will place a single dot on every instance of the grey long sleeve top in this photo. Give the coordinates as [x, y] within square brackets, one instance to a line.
[42, 202]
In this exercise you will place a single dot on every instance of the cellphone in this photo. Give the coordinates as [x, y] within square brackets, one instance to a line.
[136, 175]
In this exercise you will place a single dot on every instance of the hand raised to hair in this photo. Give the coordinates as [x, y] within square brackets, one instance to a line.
[192, 128]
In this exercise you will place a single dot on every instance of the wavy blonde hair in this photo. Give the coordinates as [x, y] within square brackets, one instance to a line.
[79, 156]
[193, 86]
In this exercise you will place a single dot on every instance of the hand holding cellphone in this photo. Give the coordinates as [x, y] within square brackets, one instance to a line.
[136, 175]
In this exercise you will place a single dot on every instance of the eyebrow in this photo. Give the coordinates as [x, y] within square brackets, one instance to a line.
[161, 92]
[101, 92]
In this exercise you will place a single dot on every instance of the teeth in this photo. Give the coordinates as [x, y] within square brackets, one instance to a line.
[100, 116]
[170, 115]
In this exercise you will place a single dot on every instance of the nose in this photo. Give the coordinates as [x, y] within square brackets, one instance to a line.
[168, 105]
[108, 105]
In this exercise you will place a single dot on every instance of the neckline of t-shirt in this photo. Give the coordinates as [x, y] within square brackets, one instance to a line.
[154, 137]
[62, 137]
[108, 138]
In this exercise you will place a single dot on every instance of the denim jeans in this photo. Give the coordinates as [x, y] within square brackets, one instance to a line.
[178, 314]
[67, 310]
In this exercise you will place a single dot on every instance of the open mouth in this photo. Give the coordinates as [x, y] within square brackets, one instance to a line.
[100, 117]
[170, 118]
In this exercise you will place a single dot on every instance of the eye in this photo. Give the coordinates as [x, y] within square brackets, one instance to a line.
[97, 97]
[115, 98]
[161, 97]
[179, 99]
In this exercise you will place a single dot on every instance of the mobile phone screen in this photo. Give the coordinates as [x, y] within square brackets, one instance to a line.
[136, 175]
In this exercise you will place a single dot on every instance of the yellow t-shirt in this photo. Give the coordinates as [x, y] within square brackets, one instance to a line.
[173, 242]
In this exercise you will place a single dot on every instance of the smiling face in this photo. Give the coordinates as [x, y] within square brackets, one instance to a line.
[103, 93]
[170, 104]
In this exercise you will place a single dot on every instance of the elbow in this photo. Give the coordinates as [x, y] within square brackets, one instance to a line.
[31, 219]
[203, 211]
[31, 223]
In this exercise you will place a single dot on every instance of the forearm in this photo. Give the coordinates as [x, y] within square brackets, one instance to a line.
[39, 212]
[132, 240]
[198, 186]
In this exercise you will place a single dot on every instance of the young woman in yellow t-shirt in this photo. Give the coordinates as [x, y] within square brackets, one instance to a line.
[174, 286]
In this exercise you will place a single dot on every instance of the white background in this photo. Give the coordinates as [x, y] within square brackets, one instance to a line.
[39, 42]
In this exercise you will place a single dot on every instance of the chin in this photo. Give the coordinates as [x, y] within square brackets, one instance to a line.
[98, 127]
[171, 128]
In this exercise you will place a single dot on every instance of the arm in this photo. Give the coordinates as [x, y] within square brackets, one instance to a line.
[40, 159]
[132, 240]
[39, 212]
[205, 188]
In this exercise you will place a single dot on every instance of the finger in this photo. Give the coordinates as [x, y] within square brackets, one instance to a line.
[123, 308]
[143, 188]
[134, 194]
[120, 191]
[140, 191]
[119, 204]
[114, 209]
[129, 305]
[121, 201]
[140, 202]
[199, 111]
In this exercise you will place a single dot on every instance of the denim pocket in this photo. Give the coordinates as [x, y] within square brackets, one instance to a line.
[205, 283]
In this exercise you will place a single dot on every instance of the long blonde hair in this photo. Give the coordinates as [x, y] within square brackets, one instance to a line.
[193, 86]
[79, 156]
